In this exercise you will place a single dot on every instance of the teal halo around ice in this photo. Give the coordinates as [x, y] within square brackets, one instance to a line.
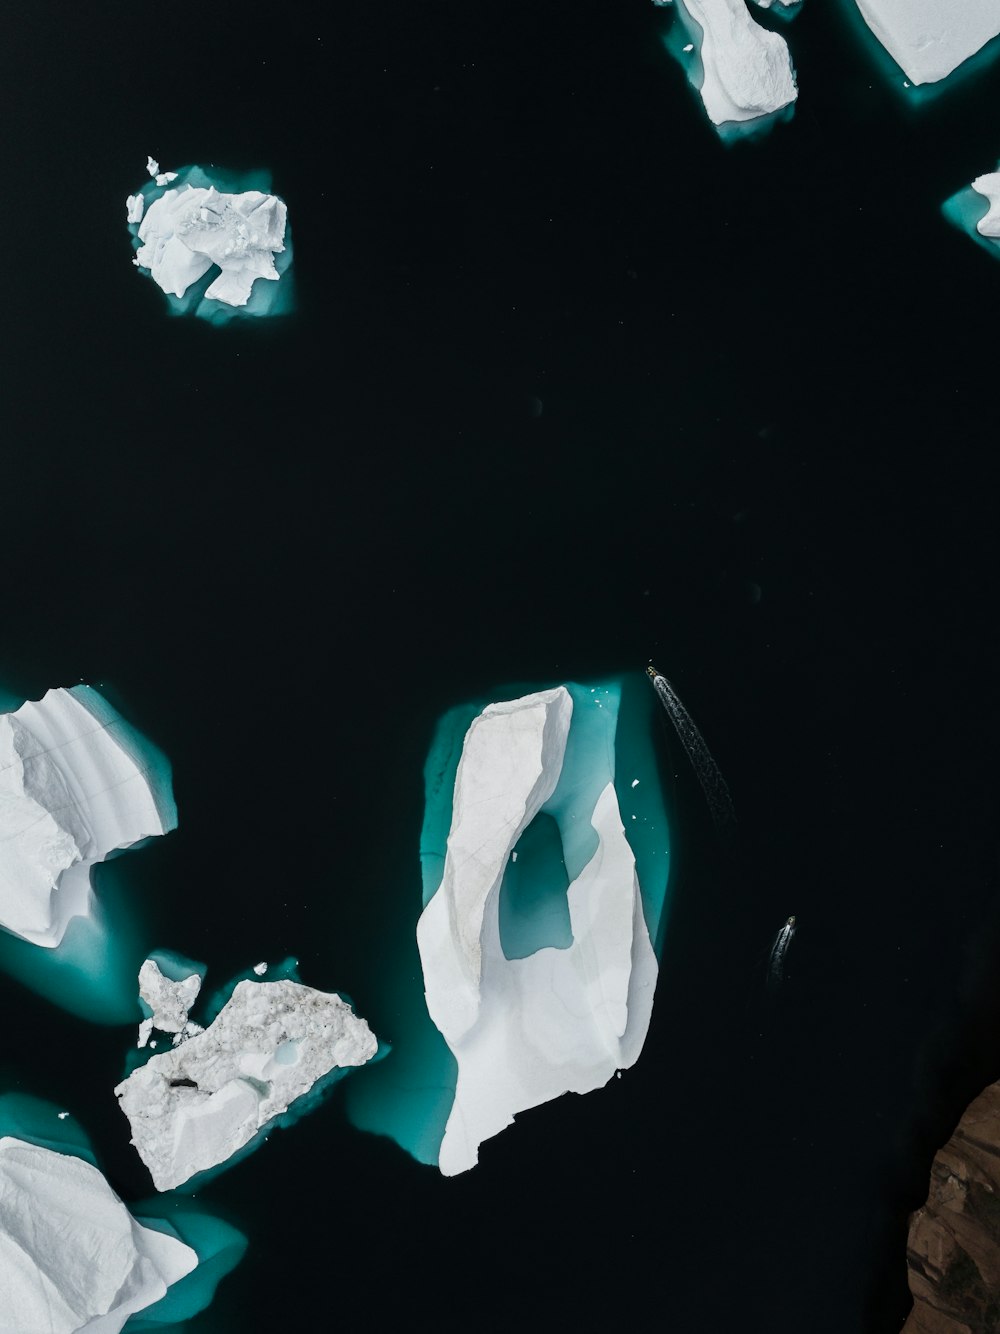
[410, 1097]
[218, 1245]
[268, 297]
[965, 210]
[92, 970]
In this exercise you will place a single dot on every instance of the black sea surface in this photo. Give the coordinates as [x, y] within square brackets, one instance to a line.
[571, 385]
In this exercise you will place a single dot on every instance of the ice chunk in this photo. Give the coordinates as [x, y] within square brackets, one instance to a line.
[70, 793]
[134, 205]
[192, 1108]
[525, 1030]
[746, 69]
[928, 39]
[188, 230]
[169, 1000]
[152, 166]
[71, 1255]
[260, 968]
[988, 186]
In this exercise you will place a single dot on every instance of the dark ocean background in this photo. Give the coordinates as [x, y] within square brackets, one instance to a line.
[571, 385]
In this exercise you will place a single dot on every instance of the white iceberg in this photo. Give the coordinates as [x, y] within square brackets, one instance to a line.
[134, 205]
[71, 1255]
[526, 1030]
[747, 71]
[70, 793]
[928, 39]
[193, 1107]
[168, 1001]
[186, 231]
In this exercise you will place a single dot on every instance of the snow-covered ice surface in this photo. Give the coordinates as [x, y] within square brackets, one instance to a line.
[526, 1030]
[194, 1107]
[167, 999]
[199, 228]
[741, 70]
[71, 792]
[928, 39]
[975, 210]
[71, 1255]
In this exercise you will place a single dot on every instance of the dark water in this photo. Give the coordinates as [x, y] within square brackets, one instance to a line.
[571, 386]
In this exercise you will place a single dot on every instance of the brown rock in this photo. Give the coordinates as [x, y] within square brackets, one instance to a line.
[953, 1250]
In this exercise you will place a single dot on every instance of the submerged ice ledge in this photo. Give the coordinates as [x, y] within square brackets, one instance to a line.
[563, 1019]
[72, 1257]
[194, 1107]
[198, 228]
[71, 792]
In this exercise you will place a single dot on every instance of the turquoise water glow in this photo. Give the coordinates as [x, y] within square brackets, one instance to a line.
[409, 1098]
[964, 210]
[267, 297]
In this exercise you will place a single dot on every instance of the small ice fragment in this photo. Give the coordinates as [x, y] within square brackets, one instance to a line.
[689, 47]
[260, 968]
[165, 177]
[134, 204]
[152, 166]
[63, 1116]
[635, 782]
[145, 1031]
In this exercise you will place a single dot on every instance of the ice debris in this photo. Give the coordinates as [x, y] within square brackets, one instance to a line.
[195, 1106]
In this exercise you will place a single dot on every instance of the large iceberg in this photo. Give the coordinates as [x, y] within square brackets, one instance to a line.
[195, 1106]
[72, 790]
[197, 227]
[928, 39]
[526, 1027]
[742, 71]
[72, 1257]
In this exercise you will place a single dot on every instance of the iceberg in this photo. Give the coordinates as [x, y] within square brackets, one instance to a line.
[199, 228]
[193, 1107]
[166, 999]
[929, 39]
[72, 1257]
[988, 186]
[525, 1028]
[742, 71]
[72, 790]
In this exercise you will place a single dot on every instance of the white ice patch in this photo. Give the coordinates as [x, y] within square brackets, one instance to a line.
[193, 1107]
[71, 1255]
[69, 795]
[524, 1031]
[748, 70]
[169, 1001]
[930, 38]
[134, 205]
[989, 187]
[185, 232]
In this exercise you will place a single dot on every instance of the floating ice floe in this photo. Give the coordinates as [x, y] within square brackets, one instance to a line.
[928, 39]
[195, 1106]
[199, 228]
[71, 1255]
[72, 790]
[166, 997]
[527, 1025]
[742, 71]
